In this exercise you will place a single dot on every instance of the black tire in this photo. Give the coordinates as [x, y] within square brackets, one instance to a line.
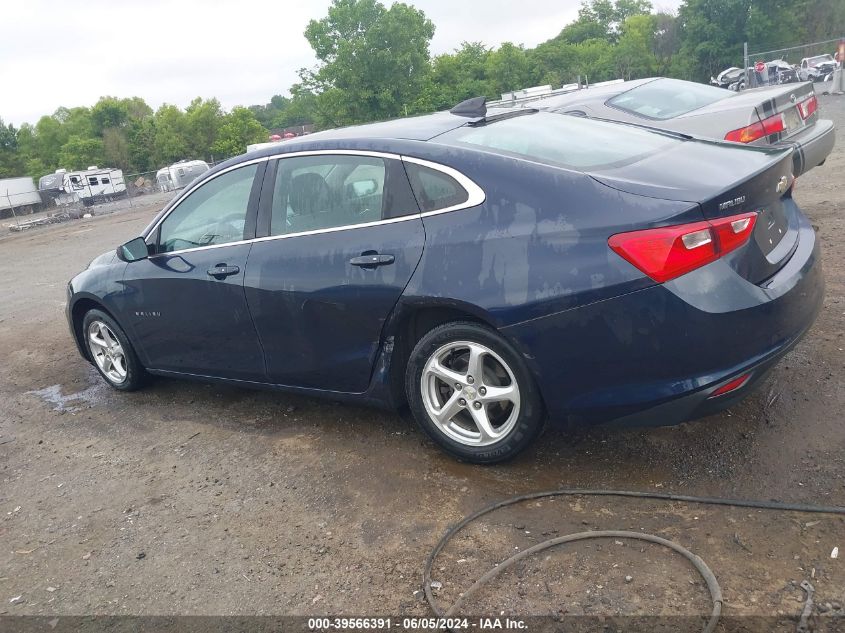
[529, 418]
[136, 375]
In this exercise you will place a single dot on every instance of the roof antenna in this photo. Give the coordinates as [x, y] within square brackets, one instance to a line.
[474, 107]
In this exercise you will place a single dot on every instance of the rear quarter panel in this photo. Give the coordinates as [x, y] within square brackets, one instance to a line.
[537, 245]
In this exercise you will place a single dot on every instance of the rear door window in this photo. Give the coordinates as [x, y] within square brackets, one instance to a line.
[433, 189]
[312, 193]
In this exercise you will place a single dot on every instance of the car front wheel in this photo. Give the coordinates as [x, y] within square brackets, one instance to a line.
[111, 352]
[471, 393]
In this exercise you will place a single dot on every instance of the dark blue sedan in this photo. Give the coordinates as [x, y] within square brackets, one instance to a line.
[490, 272]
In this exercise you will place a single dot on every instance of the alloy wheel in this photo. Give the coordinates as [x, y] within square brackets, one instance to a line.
[470, 393]
[107, 352]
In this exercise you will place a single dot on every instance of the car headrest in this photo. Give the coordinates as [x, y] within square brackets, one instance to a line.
[309, 194]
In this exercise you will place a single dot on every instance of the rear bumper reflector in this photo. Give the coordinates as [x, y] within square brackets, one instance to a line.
[733, 385]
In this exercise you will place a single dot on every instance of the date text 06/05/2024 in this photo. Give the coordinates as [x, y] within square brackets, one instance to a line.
[413, 624]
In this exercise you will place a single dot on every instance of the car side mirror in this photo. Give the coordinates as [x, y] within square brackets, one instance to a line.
[133, 250]
[361, 188]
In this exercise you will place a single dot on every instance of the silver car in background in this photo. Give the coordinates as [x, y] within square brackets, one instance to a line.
[782, 116]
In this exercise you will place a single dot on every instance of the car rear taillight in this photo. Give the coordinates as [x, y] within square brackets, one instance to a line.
[806, 108]
[771, 125]
[671, 251]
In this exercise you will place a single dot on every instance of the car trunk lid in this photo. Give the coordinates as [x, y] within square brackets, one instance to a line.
[762, 104]
[724, 181]
[785, 101]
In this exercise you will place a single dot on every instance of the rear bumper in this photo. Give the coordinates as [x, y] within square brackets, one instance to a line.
[812, 146]
[655, 356]
[703, 402]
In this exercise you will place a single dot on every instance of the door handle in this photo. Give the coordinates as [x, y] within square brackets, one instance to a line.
[221, 271]
[372, 260]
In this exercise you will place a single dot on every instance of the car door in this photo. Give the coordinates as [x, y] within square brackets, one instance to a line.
[185, 302]
[341, 238]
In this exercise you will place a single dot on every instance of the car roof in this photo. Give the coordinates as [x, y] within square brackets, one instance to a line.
[416, 128]
[367, 136]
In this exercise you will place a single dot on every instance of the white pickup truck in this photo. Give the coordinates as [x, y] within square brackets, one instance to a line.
[816, 68]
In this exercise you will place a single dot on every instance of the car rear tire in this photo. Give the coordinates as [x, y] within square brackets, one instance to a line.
[111, 352]
[471, 392]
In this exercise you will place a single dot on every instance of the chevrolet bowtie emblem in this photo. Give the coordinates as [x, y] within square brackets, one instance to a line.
[782, 185]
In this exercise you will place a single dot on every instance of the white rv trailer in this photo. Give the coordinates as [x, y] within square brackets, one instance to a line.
[53, 188]
[179, 175]
[94, 184]
[18, 195]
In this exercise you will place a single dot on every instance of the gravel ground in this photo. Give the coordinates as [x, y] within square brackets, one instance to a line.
[187, 498]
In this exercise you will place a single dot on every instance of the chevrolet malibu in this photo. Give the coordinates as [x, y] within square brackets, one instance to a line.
[490, 272]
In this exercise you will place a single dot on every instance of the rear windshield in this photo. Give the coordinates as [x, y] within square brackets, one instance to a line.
[563, 140]
[667, 98]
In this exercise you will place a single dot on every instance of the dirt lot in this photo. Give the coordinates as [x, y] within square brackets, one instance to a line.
[194, 499]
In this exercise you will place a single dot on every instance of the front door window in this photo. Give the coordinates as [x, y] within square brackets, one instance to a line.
[213, 214]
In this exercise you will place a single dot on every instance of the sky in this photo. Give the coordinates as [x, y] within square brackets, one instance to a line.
[241, 52]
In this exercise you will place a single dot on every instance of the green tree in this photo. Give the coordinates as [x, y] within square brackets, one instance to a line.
[297, 110]
[109, 112]
[583, 29]
[373, 61]
[822, 19]
[137, 108]
[27, 150]
[81, 153]
[602, 19]
[10, 162]
[116, 149]
[49, 136]
[239, 129]
[712, 35]
[634, 52]
[141, 137]
[624, 9]
[774, 23]
[171, 132]
[557, 61]
[76, 122]
[202, 124]
[596, 61]
[460, 75]
[509, 68]
[667, 41]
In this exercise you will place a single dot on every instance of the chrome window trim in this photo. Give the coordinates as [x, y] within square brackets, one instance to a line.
[475, 196]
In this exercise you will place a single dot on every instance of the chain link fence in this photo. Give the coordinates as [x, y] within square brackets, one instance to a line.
[72, 195]
[814, 62]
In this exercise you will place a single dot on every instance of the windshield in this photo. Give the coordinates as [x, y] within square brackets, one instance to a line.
[563, 140]
[667, 98]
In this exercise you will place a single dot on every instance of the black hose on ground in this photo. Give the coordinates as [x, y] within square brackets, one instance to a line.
[698, 563]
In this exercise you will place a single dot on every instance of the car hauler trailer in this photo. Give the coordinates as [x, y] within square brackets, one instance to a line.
[18, 196]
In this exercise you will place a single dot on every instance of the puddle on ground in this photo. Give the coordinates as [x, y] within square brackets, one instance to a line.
[72, 402]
